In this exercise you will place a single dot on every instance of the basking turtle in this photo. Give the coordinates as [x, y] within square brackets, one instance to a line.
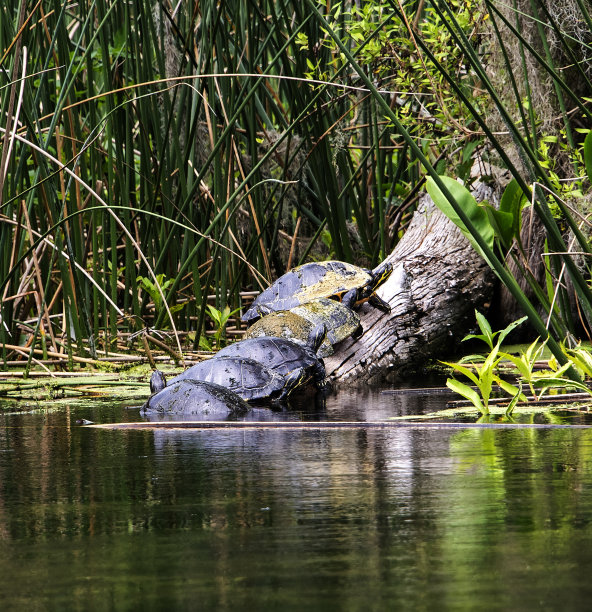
[282, 355]
[339, 320]
[287, 324]
[195, 400]
[337, 279]
[246, 377]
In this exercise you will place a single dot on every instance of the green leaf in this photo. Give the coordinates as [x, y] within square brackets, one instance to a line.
[485, 328]
[582, 359]
[521, 364]
[204, 344]
[467, 393]
[511, 389]
[466, 371]
[504, 332]
[517, 396]
[502, 224]
[588, 155]
[559, 383]
[476, 214]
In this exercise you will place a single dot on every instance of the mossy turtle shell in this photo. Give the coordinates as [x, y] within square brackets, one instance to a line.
[339, 320]
[279, 354]
[287, 324]
[316, 280]
[246, 377]
[195, 400]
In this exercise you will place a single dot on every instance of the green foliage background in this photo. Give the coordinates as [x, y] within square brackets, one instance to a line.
[204, 148]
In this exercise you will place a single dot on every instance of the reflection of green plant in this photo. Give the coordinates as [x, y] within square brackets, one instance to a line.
[152, 290]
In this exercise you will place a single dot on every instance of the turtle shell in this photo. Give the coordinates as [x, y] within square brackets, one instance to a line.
[279, 354]
[339, 320]
[287, 324]
[308, 282]
[246, 377]
[195, 400]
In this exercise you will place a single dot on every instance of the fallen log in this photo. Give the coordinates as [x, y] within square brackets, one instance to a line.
[437, 282]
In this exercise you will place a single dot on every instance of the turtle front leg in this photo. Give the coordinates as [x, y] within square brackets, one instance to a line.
[379, 303]
[350, 298]
[319, 374]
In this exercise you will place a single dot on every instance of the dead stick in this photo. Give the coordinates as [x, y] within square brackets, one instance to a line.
[12, 347]
[148, 352]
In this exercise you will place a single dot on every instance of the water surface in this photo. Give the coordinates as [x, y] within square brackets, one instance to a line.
[311, 519]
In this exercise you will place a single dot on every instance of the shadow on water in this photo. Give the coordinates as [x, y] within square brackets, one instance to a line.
[293, 519]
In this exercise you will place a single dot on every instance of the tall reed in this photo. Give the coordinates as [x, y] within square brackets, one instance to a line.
[204, 149]
[157, 156]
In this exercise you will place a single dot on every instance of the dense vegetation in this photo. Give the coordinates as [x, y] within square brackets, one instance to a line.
[157, 156]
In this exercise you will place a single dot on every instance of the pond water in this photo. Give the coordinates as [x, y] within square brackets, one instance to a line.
[298, 519]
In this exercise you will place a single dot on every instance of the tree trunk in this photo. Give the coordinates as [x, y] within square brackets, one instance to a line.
[437, 282]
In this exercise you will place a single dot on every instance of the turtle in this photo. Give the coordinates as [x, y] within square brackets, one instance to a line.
[339, 321]
[282, 355]
[287, 324]
[195, 400]
[246, 377]
[340, 280]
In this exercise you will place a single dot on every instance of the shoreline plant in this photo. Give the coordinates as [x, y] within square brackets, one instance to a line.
[487, 372]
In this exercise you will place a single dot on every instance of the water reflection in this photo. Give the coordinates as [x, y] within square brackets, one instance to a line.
[292, 519]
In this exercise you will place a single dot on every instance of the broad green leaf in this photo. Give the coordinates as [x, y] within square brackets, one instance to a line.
[560, 383]
[471, 359]
[524, 368]
[492, 359]
[467, 393]
[466, 371]
[512, 389]
[513, 201]
[502, 224]
[477, 216]
[504, 332]
[204, 344]
[484, 327]
[477, 337]
[581, 358]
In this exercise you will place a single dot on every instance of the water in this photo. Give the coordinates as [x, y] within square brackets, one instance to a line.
[347, 519]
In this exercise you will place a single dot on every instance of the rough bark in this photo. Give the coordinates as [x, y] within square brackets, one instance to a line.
[437, 282]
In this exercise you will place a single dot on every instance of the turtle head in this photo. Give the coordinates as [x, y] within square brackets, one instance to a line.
[381, 274]
[294, 379]
[157, 381]
[317, 337]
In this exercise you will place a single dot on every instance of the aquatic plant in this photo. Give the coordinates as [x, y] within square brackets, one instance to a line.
[485, 372]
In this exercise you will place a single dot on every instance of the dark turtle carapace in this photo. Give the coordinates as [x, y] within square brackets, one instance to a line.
[325, 279]
[248, 378]
[195, 400]
[285, 356]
